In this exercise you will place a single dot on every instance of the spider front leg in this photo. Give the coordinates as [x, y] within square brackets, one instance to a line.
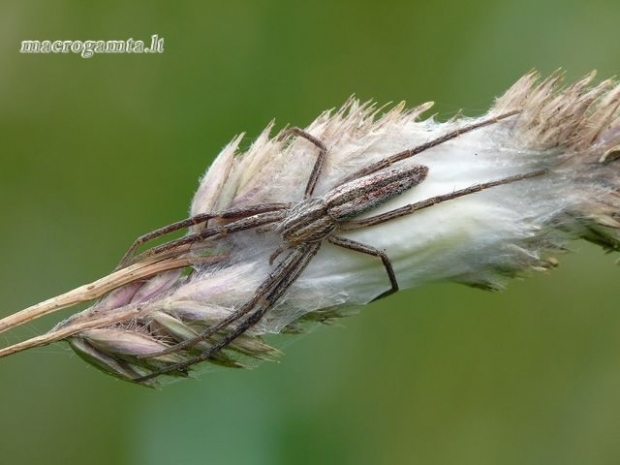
[233, 213]
[186, 223]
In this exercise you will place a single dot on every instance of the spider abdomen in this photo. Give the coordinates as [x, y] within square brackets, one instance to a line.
[360, 195]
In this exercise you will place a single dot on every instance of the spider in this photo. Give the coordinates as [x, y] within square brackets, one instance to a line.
[304, 226]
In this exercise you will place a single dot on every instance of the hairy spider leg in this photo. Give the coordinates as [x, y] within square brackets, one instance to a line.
[272, 289]
[386, 162]
[233, 213]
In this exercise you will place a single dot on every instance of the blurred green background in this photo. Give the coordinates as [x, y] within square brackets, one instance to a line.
[97, 151]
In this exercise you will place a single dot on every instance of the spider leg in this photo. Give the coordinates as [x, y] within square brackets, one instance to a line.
[264, 298]
[264, 289]
[428, 145]
[318, 164]
[364, 248]
[194, 221]
[180, 245]
[281, 248]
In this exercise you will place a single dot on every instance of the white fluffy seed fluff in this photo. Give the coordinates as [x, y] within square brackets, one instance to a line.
[479, 239]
